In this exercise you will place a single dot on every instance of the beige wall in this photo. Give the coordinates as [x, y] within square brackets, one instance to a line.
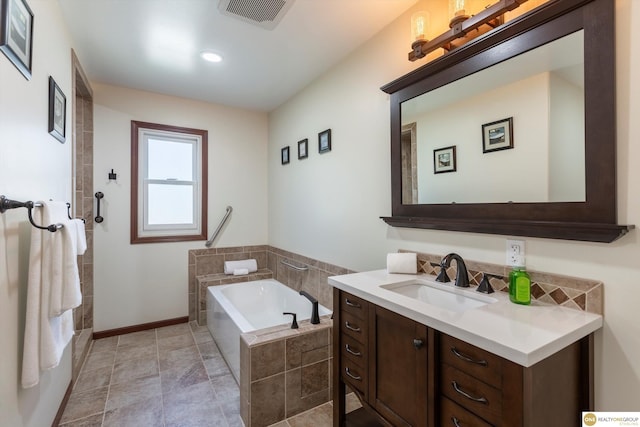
[327, 206]
[143, 283]
[33, 166]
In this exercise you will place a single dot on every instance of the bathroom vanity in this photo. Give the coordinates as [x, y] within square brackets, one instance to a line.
[415, 359]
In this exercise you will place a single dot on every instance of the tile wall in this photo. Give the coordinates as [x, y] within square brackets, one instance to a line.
[206, 268]
[572, 292]
[284, 372]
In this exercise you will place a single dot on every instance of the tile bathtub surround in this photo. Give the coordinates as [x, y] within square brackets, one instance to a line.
[576, 293]
[206, 268]
[284, 372]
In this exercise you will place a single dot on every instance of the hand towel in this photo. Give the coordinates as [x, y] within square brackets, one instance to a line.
[240, 271]
[402, 262]
[81, 234]
[45, 337]
[249, 264]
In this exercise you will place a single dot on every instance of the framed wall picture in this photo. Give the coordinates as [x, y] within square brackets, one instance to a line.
[497, 135]
[16, 34]
[57, 111]
[303, 149]
[444, 159]
[324, 141]
[284, 155]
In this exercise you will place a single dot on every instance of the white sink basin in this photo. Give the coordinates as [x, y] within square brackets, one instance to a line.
[437, 294]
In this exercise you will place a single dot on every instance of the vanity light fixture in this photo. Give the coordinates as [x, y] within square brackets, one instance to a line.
[462, 27]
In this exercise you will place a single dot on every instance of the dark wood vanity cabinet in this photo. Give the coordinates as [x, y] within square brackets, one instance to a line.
[406, 374]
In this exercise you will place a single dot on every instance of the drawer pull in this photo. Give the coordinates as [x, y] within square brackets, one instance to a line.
[467, 358]
[455, 422]
[417, 343]
[467, 395]
[355, 353]
[351, 328]
[355, 377]
[351, 304]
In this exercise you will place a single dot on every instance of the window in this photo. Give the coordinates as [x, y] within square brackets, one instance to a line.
[168, 183]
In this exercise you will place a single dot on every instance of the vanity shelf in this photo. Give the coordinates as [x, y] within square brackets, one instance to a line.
[588, 232]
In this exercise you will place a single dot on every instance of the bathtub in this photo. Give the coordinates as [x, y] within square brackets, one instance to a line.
[244, 307]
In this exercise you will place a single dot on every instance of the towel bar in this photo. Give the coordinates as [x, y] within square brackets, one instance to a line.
[6, 204]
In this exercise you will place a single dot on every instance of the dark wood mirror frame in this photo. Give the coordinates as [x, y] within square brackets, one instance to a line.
[594, 220]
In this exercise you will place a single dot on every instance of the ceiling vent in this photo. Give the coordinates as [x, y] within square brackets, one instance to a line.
[263, 13]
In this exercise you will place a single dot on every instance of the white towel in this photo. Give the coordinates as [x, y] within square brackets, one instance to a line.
[402, 262]
[45, 337]
[250, 264]
[81, 234]
[240, 271]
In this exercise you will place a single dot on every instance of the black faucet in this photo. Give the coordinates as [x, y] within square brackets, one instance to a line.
[315, 319]
[462, 277]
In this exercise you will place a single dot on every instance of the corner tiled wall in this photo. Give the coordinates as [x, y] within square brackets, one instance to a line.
[206, 268]
[284, 372]
[571, 292]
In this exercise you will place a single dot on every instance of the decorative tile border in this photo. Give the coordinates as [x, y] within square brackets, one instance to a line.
[576, 293]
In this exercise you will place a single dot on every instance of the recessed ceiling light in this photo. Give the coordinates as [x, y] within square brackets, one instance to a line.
[211, 57]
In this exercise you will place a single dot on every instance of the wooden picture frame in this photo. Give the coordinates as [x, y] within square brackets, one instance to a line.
[57, 111]
[497, 135]
[284, 155]
[303, 149]
[444, 159]
[324, 141]
[16, 34]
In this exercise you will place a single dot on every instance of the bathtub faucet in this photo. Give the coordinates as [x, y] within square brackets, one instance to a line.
[315, 319]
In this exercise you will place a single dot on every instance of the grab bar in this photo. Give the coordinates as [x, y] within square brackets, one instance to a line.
[215, 233]
[295, 267]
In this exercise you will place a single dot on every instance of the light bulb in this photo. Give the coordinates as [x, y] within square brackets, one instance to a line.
[419, 25]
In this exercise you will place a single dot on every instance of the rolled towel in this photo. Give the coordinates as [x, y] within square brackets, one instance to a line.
[250, 264]
[240, 271]
[402, 262]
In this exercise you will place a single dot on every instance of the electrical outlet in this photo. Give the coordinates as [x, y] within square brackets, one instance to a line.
[515, 253]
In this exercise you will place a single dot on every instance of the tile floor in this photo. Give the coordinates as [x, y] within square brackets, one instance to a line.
[171, 376]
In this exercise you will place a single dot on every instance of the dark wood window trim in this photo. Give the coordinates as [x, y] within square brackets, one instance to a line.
[203, 183]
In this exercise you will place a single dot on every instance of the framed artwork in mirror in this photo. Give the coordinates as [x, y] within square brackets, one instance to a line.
[497, 135]
[284, 155]
[303, 149]
[324, 141]
[57, 111]
[444, 159]
[16, 34]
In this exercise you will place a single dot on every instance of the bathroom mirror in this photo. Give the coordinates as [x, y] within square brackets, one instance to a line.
[445, 100]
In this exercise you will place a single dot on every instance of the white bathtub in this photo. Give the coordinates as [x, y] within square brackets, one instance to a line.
[244, 307]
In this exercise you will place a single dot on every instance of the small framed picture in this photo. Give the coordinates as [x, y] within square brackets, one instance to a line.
[57, 111]
[444, 159]
[324, 141]
[284, 155]
[497, 135]
[303, 149]
[16, 34]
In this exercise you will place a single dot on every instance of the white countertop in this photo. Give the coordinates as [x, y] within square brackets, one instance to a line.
[524, 334]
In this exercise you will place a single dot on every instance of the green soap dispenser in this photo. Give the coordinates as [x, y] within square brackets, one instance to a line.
[519, 286]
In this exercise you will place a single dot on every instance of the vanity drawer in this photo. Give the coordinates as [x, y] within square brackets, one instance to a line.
[471, 393]
[353, 305]
[453, 415]
[468, 358]
[354, 376]
[354, 350]
[354, 327]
